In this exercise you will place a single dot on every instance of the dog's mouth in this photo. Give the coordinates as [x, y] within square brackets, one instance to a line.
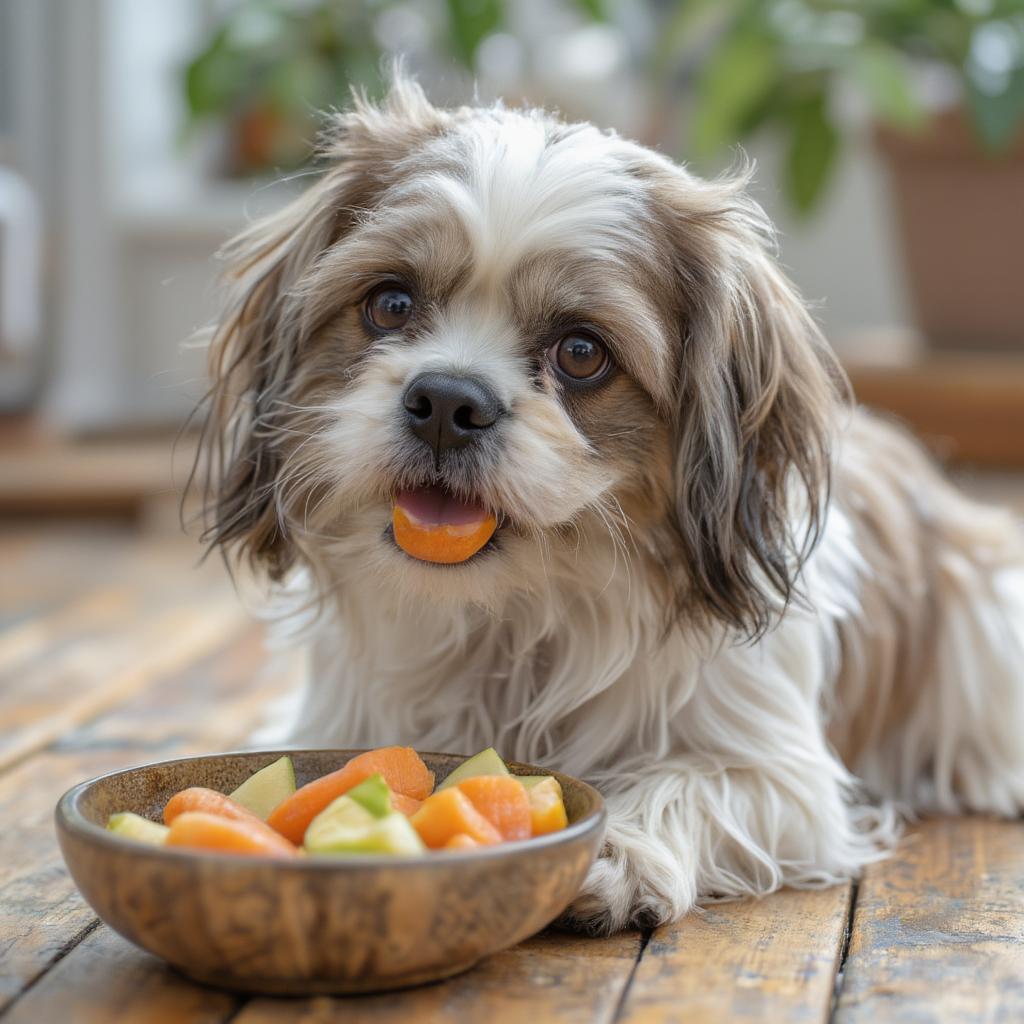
[434, 525]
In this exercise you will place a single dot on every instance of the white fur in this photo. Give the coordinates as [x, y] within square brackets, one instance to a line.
[712, 753]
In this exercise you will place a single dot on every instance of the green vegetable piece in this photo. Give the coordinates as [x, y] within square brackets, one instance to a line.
[134, 826]
[347, 827]
[270, 786]
[487, 762]
[529, 781]
[374, 795]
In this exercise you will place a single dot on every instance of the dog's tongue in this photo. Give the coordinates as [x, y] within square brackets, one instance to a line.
[434, 506]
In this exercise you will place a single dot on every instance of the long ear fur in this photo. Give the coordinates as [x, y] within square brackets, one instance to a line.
[255, 349]
[759, 390]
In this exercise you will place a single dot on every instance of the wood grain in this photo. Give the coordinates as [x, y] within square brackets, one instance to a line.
[968, 407]
[553, 977]
[208, 705]
[108, 981]
[939, 929]
[39, 704]
[758, 960]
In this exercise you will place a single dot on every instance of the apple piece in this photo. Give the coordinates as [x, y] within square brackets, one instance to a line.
[529, 781]
[487, 762]
[547, 808]
[134, 826]
[374, 795]
[347, 827]
[267, 788]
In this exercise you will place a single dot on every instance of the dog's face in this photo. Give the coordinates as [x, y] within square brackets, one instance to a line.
[489, 311]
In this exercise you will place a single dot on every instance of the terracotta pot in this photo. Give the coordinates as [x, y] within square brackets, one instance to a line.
[960, 213]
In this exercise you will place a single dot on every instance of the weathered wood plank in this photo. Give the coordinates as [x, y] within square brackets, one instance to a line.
[553, 977]
[44, 566]
[42, 635]
[938, 929]
[42, 703]
[107, 980]
[758, 960]
[205, 706]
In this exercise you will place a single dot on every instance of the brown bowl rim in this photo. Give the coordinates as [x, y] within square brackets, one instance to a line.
[68, 816]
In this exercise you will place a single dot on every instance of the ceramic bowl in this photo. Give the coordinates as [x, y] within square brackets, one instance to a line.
[316, 925]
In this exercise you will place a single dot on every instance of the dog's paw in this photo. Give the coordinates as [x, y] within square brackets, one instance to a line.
[618, 894]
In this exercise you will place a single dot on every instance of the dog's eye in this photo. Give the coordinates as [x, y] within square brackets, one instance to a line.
[579, 357]
[389, 307]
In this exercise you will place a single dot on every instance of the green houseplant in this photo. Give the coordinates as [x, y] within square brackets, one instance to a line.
[270, 68]
[956, 167]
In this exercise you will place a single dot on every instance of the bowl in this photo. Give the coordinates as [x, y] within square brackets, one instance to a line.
[316, 925]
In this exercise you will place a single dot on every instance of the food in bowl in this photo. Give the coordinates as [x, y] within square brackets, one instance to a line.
[316, 923]
[380, 802]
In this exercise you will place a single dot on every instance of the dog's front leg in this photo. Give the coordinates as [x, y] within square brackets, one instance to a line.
[691, 830]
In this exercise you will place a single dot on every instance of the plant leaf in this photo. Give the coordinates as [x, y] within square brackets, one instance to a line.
[882, 73]
[213, 77]
[734, 82]
[998, 118]
[593, 8]
[812, 151]
[686, 27]
[472, 21]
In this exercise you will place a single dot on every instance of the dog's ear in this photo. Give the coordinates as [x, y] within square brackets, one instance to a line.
[256, 347]
[758, 394]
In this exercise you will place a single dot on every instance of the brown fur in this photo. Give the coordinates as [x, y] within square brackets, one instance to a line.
[725, 384]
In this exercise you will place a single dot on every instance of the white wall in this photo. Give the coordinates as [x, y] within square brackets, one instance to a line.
[845, 258]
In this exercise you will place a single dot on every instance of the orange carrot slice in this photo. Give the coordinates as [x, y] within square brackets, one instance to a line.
[403, 770]
[503, 801]
[448, 813]
[446, 544]
[461, 841]
[205, 801]
[407, 805]
[199, 830]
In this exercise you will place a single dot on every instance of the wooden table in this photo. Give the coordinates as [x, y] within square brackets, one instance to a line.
[115, 650]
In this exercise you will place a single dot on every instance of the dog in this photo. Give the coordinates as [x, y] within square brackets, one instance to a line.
[749, 612]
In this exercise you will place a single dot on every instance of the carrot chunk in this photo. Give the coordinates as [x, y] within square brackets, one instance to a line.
[449, 813]
[407, 805]
[503, 801]
[403, 770]
[199, 830]
[443, 544]
[205, 801]
[461, 841]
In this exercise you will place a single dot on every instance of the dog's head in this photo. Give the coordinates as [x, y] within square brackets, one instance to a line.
[487, 310]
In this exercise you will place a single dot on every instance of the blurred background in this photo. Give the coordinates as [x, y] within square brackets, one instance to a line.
[137, 135]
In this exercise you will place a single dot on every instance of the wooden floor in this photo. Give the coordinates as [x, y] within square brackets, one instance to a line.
[114, 650]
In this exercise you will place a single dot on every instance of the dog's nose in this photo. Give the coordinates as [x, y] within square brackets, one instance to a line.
[447, 411]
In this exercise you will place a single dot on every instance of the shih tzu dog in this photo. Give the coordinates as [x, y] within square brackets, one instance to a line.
[752, 614]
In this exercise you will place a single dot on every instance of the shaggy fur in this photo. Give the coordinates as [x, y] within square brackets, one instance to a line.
[754, 616]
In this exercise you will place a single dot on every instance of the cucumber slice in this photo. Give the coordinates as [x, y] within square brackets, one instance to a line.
[487, 762]
[529, 781]
[346, 826]
[270, 786]
[134, 826]
[374, 795]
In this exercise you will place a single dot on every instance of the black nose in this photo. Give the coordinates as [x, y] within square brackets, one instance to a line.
[448, 411]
